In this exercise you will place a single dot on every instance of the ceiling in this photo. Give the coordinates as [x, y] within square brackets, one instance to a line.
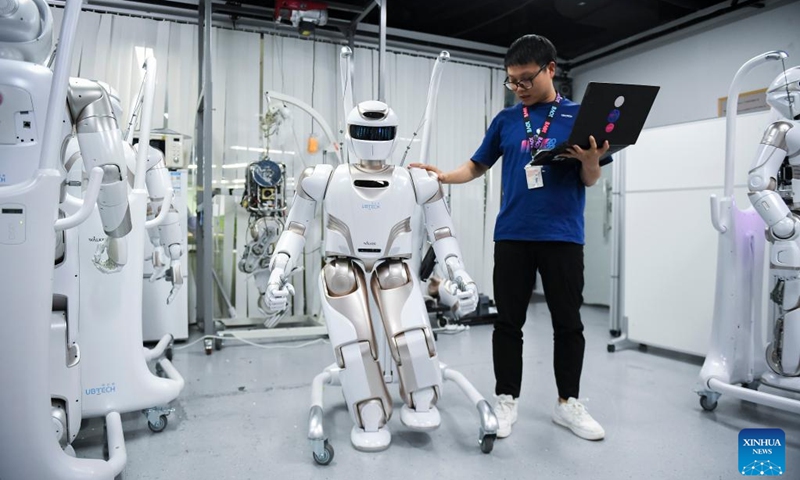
[582, 30]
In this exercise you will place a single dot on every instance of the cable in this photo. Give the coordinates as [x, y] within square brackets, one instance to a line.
[267, 347]
[789, 97]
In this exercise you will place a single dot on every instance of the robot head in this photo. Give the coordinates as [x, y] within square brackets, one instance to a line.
[371, 131]
[783, 93]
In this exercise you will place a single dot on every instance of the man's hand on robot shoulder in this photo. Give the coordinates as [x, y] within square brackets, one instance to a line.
[430, 168]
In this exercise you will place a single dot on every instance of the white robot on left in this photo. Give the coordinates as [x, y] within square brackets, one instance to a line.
[34, 121]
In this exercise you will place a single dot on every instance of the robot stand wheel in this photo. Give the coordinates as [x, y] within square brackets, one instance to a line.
[487, 442]
[208, 344]
[707, 404]
[159, 425]
[217, 344]
[611, 348]
[327, 455]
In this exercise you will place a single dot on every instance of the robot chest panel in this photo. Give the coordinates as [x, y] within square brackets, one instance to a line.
[369, 213]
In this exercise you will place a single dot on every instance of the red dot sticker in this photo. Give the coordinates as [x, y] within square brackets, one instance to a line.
[609, 128]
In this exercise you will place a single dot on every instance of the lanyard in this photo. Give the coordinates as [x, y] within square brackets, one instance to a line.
[535, 140]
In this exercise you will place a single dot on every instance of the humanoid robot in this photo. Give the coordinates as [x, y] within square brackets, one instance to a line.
[37, 112]
[739, 361]
[368, 244]
[779, 155]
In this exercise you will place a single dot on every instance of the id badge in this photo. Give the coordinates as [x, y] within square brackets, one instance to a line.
[533, 176]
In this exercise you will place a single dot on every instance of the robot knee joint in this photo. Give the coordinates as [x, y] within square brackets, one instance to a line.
[340, 278]
[392, 274]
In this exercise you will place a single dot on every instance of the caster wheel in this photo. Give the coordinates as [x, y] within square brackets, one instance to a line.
[159, 426]
[487, 443]
[217, 344]
[208, 344]
[441, 321]
[642, 347]
[707, 404]
[611, 348]
[168, 354]
[615, 333]
[326, 457]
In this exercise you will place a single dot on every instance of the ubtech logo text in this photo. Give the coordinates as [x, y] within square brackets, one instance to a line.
[102, 389]
[371, 206]
[762, 451]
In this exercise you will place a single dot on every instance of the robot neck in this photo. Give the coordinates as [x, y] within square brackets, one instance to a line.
[372, 165]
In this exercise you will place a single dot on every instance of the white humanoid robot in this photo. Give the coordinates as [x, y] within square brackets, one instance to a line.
[368, 244]
[738, 355]
[34, 121]
[780, 145]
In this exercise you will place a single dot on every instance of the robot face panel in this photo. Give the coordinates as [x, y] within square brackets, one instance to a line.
[372, 130]
[783, 93]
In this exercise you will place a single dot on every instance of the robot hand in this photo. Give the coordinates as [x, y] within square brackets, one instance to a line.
[117, 250]
[466, 292]
[159, 265]
[176, 277]
[278, 291]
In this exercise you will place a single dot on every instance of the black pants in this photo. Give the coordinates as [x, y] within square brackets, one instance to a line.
[561, 267]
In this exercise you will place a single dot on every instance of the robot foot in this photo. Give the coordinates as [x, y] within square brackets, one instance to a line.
[370, 441]
[420, 421]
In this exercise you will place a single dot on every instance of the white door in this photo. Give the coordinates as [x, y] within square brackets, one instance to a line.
[597, 252]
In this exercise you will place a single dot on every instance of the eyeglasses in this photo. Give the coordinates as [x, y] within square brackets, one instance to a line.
[523, 84]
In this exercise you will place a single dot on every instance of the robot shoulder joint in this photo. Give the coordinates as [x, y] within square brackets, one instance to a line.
[313, 182]
[775, 135]
[426, 186]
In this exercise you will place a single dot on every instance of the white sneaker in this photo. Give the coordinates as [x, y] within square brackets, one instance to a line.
[506, 411]
[574, 416]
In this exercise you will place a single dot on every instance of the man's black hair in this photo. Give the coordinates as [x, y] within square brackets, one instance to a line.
[530, 49]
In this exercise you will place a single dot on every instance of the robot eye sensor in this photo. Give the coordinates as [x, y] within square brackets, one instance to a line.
[373, 113]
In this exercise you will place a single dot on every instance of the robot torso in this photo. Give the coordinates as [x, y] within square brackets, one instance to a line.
[368, 213]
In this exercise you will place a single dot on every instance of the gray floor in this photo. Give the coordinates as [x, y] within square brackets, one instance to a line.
[243, 415]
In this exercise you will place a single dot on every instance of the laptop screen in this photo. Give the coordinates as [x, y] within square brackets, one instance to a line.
[612, 111]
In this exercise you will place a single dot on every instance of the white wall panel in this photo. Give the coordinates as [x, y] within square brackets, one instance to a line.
[670, 244]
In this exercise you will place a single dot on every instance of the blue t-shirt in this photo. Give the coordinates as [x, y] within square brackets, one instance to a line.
[550, 213]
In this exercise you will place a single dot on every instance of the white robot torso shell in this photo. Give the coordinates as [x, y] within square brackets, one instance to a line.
[368, 213]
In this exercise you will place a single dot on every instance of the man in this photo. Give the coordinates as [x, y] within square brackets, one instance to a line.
[539, 227]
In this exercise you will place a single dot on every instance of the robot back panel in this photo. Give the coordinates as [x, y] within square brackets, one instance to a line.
[368, 213]
[24, 93]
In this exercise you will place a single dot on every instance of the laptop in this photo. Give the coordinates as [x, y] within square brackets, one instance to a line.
[609, 111]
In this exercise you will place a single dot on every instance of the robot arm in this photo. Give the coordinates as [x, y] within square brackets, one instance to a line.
[100, 143]
[310, 189]
[166, 237]
[440, 230]
[762, 181]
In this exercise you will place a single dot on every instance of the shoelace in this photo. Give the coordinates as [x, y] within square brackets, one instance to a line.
[506, 407]
[578, 409]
